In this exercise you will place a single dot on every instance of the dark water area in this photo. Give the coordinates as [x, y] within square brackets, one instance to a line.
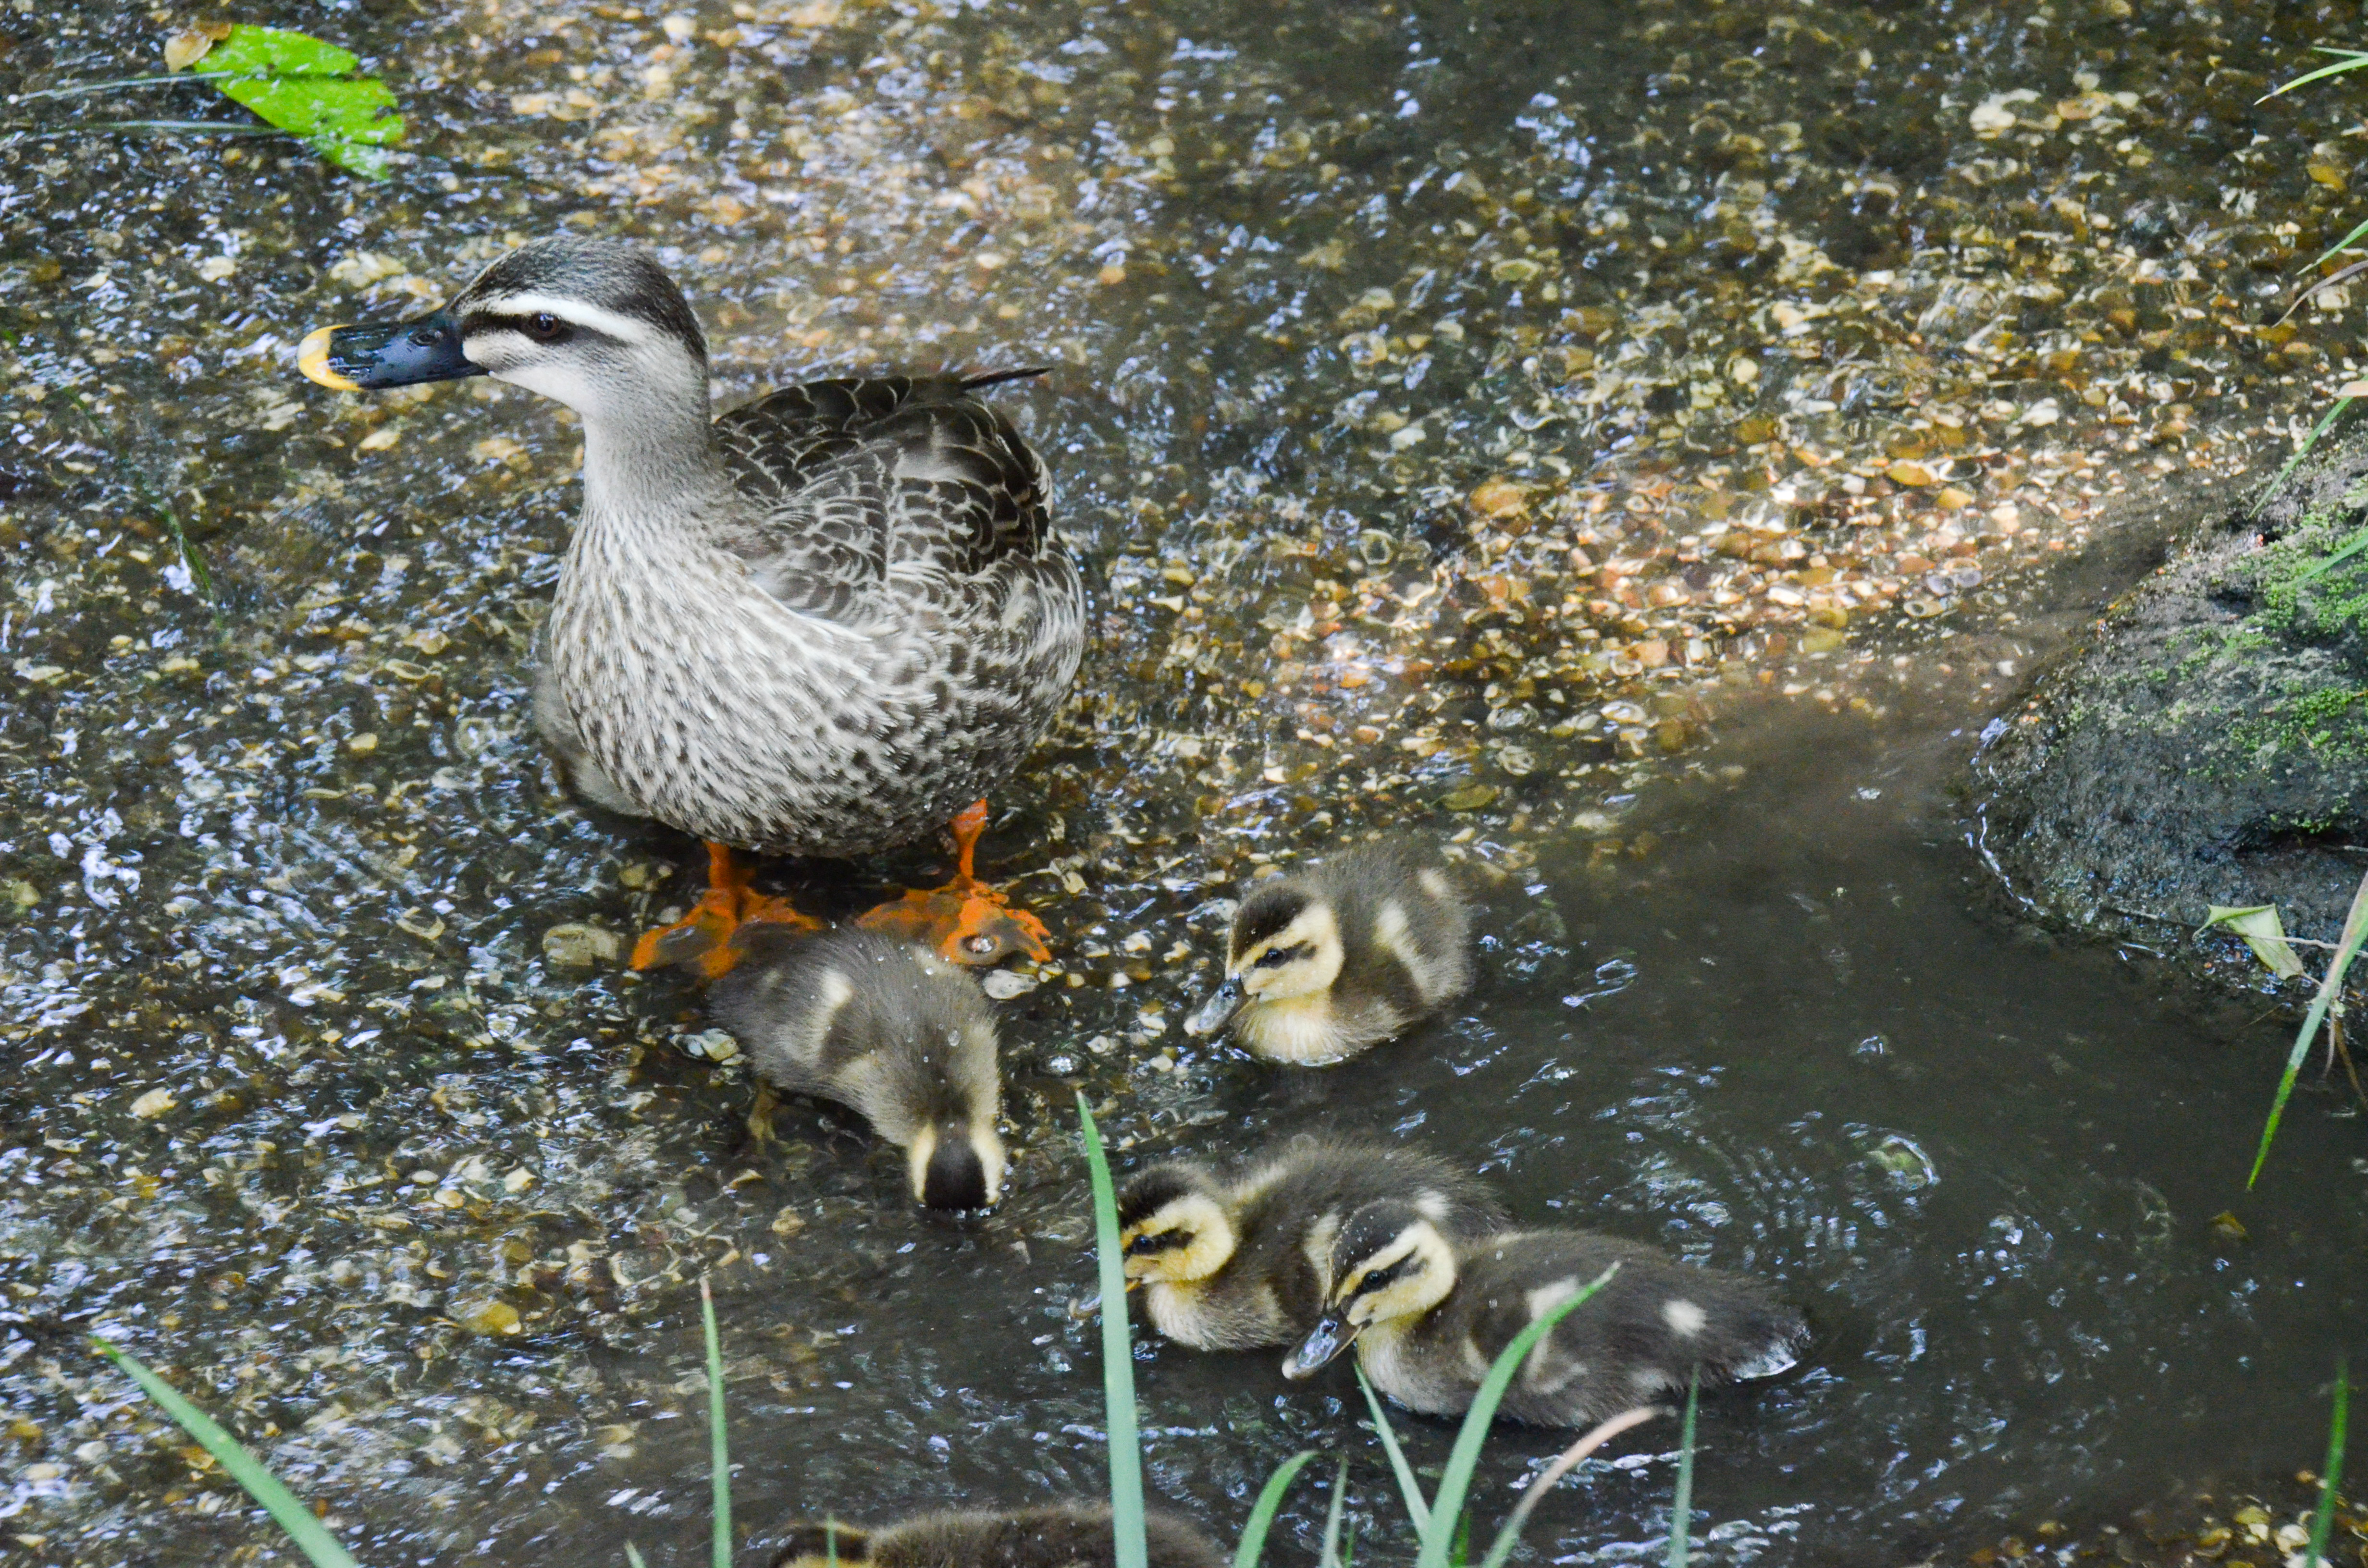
[1641, 444]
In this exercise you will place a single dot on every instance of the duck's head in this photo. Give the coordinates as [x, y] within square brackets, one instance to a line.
[1286, 943]
[957, 1166]
[1173, 1229]
[1389, 1261]
[596, 324]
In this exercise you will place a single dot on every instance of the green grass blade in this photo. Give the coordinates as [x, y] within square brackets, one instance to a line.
[2350, 547]
[1410, 1489]
[1681, 1507]
[1331, 1558]
[2339, 246]
[1118, 1360]
[1446, 1505]
[2348, 60]
[2355, 931]
[1262, 1512]
[2293, 462]
[2323, 1521]
[720, 1460]
[86, 87]
[634, 1556]
[310, 1536]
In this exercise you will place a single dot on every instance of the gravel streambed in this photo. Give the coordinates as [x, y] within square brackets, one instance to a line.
[1460, 411]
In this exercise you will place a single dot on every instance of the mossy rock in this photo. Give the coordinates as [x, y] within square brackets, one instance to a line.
[2209, 743]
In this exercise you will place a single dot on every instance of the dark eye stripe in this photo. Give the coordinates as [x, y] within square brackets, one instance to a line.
[492, 321]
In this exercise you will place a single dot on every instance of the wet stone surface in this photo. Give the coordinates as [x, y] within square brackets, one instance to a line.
[1464, 412]
[2203, 745]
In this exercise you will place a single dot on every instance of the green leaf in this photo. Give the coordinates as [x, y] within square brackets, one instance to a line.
[2331, 1473]
[1262, 1512]
[1118, 1360]
[307, 87]
[1682, 1507]
[309, 1534]
[1447, 1504]
[2355, 932]
[1331, 1558]
[2262, 931]
[1417, 1511]
[634, 1556]
[720, 1460]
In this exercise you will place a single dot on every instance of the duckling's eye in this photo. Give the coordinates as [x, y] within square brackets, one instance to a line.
[545, 327]
[1151, 1242]
[1275, 957]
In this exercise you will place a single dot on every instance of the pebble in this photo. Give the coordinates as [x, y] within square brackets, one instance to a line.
[154, 1104]
[1002, 984]
[714, 1045]
[582, 947]
[490, 1318]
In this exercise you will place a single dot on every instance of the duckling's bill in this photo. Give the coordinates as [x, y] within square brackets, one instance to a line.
[1325, 1340]
[1219, 1009]
[388, 354]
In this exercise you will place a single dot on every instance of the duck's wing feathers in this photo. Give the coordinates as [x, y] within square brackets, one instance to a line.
[895, 486]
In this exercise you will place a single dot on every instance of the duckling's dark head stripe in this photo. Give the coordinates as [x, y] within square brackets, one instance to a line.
[1149, 1193]
[1265, 913]
[602, 275]
[1371, 1231]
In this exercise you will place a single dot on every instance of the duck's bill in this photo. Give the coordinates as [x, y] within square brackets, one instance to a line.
[1325, 1340]
[1089, 1306]
[1219, 1009]
[397, 354]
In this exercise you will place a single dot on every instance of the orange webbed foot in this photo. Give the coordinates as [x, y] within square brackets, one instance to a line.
[705, 936]
[967, 920]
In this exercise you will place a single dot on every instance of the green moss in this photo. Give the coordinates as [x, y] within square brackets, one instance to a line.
[2331, 724]
[2333, 604]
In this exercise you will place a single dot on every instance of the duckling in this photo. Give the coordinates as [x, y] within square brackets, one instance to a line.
[1063, 1534]
[1429, 1316]
[1341, 956]
[893, 1030]
[1243, 1259]
[821, 624]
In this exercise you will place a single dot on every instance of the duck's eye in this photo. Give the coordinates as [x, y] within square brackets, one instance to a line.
[545, 327]
[1275, 957]
[1151, 1241]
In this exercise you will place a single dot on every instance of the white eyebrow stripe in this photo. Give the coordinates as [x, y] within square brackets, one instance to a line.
[624, 328]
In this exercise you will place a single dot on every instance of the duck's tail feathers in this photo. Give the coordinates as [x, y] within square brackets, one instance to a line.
[996, 378]
[956, 1176]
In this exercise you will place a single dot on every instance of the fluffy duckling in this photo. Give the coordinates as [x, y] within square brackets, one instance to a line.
[1066, 1535]
[890, 1030]
[1240, 1260]
[1342, 955]
[1429, 1318]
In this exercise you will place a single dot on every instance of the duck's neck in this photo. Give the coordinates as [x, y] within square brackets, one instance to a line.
[656, 474]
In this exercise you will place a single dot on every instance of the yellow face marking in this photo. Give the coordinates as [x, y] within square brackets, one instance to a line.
[313, 358]
[1319, 931]
[1209, 1242]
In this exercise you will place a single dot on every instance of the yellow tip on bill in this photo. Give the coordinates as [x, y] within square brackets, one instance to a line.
[313, 358]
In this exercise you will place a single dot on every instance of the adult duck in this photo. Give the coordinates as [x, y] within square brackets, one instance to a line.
[823, 624]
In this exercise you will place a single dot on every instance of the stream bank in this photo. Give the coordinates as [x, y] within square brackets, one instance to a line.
[2205, 740]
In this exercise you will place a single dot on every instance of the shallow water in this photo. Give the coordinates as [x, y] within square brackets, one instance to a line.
[1505, 420]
